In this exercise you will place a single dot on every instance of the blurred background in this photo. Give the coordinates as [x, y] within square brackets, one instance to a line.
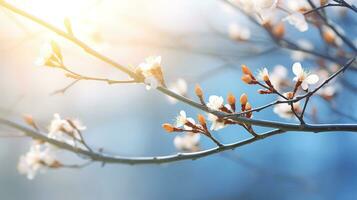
[192, 38]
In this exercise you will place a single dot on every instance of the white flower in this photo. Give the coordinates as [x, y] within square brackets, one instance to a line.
[179, 87]
[278, 76]
[187, 142]
[152, 62]
[215, 102]
[182, 119]
[263, 74]
[298, 20]
[237, 32]
[216, 123]
[65, 130]
[151, 70]
[284, 110]
[327, 92]
[330, 90]
[303, 76]
[300, 55]
[262, 8]
[38, 158]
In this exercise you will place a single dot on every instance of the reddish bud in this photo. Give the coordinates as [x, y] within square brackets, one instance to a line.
[198, 90]
[168, 128]
[246, 70]
[279, 31]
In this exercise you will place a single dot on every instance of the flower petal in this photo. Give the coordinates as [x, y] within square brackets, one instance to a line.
[304, 85]
[297, 68]
[312, 79]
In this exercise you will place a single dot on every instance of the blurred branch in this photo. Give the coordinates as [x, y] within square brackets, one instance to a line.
[285, 43]
[345, 40]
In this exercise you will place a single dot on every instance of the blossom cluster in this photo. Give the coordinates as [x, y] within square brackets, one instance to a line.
[43, 155]
[191, 130]
[273, 83]
[267, 11]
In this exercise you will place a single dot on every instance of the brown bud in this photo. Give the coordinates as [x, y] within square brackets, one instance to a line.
[248, 107]
[30, 121]
[247, 79]
[246, 70]
[289, 95]
[201, 119]
[198, 90]
[279, 31]
[231, 99]
[243, 99]
[329, 37]
[168, 128]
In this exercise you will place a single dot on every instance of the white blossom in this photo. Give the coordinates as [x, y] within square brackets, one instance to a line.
[262, 8]
[179, 87]
[303, 76]
[263, 74]
[215, 102]
[182, 119]
[298, 21]
[284, 110]
[65, 130]
[187, 142]
[278, 76]
[216, 123]
[151, 70]
[38, 158]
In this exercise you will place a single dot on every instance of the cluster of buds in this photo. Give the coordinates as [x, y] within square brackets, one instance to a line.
[51, 55]
[42, 155]
[302, 78]
[263, 75]
[151, 72]
[248, 76]
[277, 30]
[185, 124]
[189, 126]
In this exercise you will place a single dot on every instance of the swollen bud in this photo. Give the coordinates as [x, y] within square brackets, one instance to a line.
[247, 79]
[168, 128]
[329, 37]
[232, 101]
[201, 119]
[198, 90]
[279, 31]
[247, 108]
[246, 70]
[243, 99]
